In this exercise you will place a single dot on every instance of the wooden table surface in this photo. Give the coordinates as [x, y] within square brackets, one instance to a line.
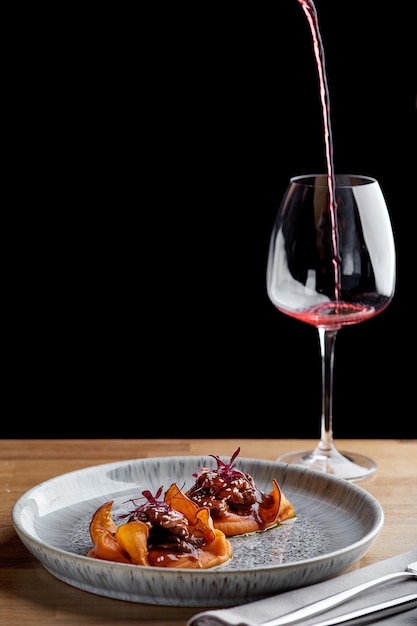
[29, 595]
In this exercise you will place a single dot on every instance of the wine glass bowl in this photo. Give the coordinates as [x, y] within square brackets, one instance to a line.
[331, 264]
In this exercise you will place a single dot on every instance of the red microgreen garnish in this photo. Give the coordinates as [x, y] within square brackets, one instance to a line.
[227, 471]
[150, 501]
[153, 499]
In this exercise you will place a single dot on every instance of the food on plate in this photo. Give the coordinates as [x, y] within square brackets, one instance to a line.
[235, 503]
[173, 532]
[189, 529]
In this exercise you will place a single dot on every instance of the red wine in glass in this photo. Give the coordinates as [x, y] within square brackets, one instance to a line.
[331, 263]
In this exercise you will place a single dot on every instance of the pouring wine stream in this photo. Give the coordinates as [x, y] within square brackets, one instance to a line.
[330, 314]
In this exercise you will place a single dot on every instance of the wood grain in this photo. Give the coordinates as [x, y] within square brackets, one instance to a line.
[31, 596]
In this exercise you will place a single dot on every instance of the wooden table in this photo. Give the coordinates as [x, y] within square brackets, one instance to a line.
[29, 595]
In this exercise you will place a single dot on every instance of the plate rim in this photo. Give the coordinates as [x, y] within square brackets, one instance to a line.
[291, 468]
[363, 543]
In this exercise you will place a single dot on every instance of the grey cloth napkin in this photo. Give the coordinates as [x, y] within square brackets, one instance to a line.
[254, 613]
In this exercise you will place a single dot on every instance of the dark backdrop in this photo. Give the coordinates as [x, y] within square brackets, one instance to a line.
[151, 153]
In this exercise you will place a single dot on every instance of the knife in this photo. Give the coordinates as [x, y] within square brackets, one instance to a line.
[371, 613]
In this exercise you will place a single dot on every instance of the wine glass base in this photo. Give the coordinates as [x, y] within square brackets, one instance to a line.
[347, 465]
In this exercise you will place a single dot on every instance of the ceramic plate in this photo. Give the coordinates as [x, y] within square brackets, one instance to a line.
[337, 522]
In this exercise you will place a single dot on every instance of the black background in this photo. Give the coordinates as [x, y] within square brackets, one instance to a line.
[151, 150]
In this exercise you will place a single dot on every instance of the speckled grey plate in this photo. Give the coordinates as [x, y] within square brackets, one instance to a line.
[337, 522]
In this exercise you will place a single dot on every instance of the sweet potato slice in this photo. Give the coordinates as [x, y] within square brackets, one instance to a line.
[269, 507]
[286, 509]
[180, 502]
[102, 519]
[133, 538]
[198, 518]
[106, 547]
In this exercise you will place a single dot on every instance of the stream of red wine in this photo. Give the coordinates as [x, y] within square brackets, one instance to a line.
[310, 11]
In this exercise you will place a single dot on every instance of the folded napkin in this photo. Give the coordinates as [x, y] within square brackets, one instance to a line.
[255, 613]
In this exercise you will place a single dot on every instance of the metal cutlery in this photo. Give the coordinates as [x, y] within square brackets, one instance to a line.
[326, 603]
[371, 613]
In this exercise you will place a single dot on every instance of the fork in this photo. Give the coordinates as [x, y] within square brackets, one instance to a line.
[326, 603]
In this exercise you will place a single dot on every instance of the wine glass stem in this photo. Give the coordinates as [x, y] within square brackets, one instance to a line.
[327, 339]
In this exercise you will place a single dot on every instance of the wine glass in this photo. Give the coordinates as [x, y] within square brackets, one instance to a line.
[331, 263]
